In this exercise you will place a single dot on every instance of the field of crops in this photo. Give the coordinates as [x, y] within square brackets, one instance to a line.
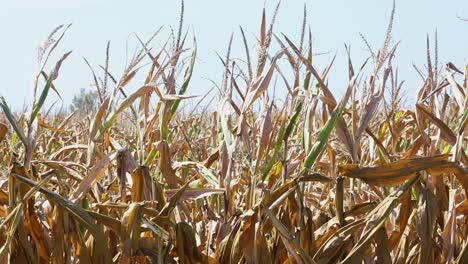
[311, 177]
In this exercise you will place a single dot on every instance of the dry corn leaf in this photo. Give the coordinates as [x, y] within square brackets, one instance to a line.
[79, 214]
[165, 164]
[462, 208]
[3, 131]
[395, 173]
[446, 132]
[425, 221]
[130, 232]
[43, 124]
[375, 220]
[293, 247]
[94, 175]
[194, 193]
[187, 244]
[141, 187]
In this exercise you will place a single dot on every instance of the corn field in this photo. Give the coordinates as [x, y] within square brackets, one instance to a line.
[312, 177]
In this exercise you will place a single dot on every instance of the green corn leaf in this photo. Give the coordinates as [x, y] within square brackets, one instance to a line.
[326, 130]
[208, 175]
[293, 121]
[463, 121]
[52, 76]
[274, 157]
[151, 156]
[188, 77]
[125, 104]
[41, 101]
[11, 119]
[308, 74]
[323, 137]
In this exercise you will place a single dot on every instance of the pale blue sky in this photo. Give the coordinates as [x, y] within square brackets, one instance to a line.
[25, 23]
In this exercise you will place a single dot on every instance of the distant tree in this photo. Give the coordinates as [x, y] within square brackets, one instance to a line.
[84, 102]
